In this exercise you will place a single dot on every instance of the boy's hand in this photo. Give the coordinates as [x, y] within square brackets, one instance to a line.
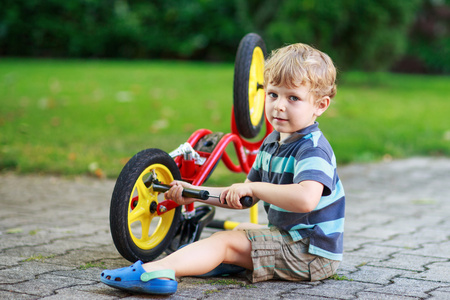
[234, 193]
[175, 192]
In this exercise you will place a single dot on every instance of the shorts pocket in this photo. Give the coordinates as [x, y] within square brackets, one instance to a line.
[263, 257]
[321, 268]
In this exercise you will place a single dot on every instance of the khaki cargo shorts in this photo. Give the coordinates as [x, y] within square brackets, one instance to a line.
[276, 256]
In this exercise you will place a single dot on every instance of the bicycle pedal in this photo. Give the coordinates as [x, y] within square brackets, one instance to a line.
[209, 142]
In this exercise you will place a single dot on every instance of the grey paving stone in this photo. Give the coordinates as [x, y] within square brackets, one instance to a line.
[48, 248]
[81, 257]
[415, 240]
[55, 240]
[45, 285]
[26, 271]
[407, 287]
[382, 296]
[440, 293]
[9, 260]
[354, 242]
[379, 232]
[372, 250]
[437, 272]
[352, 262]
[432, 249]
[341, 289]
[10, 295]
[407, 262]
[376, 275]
[76, 293]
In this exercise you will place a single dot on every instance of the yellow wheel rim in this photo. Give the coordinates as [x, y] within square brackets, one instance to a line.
[147, 229]
[255, 89]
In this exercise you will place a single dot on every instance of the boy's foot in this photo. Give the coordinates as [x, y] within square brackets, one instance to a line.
[135, 279]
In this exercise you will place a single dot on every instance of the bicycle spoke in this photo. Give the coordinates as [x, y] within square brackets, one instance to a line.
[145, 223]
[137, 214]
[143, 193]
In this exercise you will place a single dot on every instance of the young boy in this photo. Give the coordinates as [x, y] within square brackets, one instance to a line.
[294, 174]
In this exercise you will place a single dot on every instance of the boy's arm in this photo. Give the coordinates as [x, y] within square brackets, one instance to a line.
[299, 197]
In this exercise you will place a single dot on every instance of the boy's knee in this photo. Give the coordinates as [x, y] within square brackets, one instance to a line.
[218, 234]
[237, 247]
[230, 237]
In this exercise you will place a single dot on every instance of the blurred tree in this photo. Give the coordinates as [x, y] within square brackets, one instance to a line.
[202, 29]
[358, 34]
[363, 34]
[429, 40]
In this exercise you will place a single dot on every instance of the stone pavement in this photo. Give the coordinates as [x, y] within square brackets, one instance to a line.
[55, 240]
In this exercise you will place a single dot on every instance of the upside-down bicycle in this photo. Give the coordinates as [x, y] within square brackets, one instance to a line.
[144, 224]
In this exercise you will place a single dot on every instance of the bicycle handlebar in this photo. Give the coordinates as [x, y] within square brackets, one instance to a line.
[246, 201]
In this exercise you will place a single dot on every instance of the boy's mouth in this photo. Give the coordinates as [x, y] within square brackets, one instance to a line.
[279, 119]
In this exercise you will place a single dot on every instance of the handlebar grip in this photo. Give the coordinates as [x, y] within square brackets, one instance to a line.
[202, 194]
[190, 193]
[246, 201]
[160, 188]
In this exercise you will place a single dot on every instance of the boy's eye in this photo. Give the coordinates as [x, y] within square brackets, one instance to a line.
[293, 98]
[273, 95]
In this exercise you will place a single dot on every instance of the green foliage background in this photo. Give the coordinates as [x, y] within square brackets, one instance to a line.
[89, 117]
[358, 34]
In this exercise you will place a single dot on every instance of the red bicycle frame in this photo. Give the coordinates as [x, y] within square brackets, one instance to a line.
[197, 174]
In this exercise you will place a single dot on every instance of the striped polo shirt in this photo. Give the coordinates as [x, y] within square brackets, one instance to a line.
[305, 155]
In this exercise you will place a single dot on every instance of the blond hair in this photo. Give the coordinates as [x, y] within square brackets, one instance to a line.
[298, 64]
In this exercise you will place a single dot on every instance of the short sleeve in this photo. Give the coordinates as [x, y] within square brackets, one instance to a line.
[314, 164]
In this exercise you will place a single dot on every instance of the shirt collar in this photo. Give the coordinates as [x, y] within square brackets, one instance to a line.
[274, 136]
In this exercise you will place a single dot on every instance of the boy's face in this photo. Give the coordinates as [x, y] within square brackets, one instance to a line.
[292, 109]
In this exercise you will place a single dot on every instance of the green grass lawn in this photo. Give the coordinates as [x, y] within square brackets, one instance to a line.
[74, 117]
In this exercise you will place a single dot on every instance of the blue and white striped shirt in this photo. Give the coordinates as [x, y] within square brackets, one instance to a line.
[305, 155]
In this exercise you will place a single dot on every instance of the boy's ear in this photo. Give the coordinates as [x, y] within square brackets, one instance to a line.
[322, 105]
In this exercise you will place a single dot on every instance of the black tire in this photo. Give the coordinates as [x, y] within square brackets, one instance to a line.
[248, 91]
[125, 222]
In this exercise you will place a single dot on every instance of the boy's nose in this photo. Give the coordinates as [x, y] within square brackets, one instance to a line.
[279, 105]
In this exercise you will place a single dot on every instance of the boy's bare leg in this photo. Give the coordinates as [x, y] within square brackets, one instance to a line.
[232, 247]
